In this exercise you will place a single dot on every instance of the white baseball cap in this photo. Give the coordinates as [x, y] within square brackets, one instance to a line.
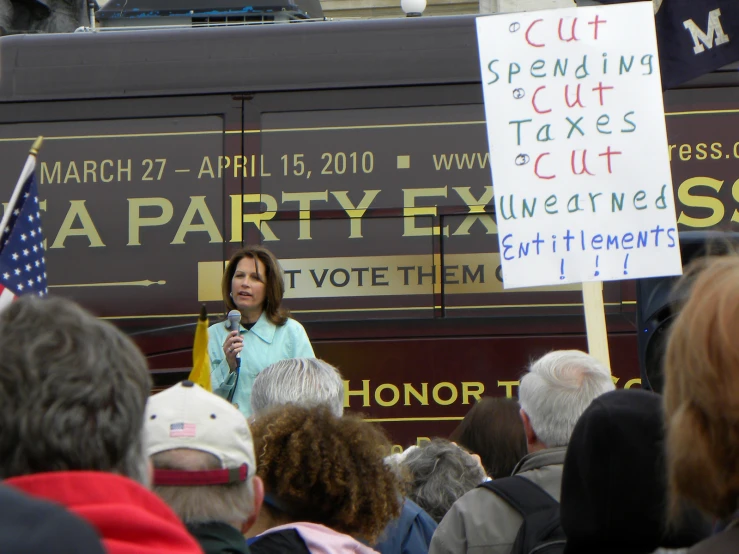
[188, 416]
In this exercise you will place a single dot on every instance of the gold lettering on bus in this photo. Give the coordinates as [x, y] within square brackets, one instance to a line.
[197, 208]
[77, 211]
[716, 207]
[508, 385]
[476, 207]
[364, 393]
[422, 397]
[395, 395]
[258, 219]
[90, 171]
[304, 200]
[355, 212]
[136, 221]
[388, 394]
[410, 211]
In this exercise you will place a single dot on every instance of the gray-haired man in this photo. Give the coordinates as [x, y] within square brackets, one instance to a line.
[553, 394]
[204, 465]
[303, 381]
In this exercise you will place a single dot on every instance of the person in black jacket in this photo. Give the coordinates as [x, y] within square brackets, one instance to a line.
[29, 525]
[614, 492]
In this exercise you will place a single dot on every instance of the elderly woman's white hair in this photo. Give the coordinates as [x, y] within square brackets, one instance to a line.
[440, 473]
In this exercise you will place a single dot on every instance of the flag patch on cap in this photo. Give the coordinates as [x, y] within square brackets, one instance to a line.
[182, 430]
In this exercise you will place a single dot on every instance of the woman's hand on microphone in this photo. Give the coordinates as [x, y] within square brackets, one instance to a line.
[232, 346]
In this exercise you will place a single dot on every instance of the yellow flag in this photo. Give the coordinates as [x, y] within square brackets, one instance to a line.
[200, 373]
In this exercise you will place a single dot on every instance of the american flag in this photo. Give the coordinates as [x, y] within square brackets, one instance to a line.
[182, 430]
[22, 257]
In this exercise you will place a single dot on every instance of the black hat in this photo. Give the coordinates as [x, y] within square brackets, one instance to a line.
[614, 494]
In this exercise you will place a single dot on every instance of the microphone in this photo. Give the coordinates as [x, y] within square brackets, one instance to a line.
[234, 319]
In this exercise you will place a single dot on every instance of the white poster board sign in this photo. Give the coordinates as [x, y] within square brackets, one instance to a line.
[578, 146]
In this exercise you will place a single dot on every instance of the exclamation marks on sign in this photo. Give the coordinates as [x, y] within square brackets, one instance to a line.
[562, 270]
[597, 265]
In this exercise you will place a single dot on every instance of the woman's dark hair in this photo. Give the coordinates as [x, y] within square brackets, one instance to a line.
[493, 430]
[273, 281]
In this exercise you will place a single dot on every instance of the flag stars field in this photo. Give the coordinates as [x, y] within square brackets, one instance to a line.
[22, 261]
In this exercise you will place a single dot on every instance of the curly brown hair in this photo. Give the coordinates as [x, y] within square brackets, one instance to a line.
[327, 470]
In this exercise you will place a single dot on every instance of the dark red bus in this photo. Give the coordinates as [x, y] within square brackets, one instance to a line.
[357, 152]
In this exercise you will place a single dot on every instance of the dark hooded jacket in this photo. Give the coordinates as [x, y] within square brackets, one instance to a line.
[614, 492]
[218, 538]
[29, 525]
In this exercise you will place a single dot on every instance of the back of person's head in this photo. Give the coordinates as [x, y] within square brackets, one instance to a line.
[303, 381]
[203, 456]
[440, 473]
[493, 430]
[323, 469]
[29, 525]
[701, 394]
[557, 389]
[613, 485]
[72, 392]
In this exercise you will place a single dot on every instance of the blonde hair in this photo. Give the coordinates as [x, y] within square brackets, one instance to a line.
[701, 394]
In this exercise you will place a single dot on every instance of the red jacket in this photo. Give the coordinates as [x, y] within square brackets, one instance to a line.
[129, 518]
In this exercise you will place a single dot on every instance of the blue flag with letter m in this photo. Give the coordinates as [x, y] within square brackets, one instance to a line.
[694, 37]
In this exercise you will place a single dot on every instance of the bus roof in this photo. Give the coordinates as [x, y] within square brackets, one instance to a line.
[239, 59]
[249, 59]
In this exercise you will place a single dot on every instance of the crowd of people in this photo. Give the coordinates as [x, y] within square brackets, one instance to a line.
[90, 462]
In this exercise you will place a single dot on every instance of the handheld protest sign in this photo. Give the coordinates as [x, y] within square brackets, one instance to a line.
[578, 146]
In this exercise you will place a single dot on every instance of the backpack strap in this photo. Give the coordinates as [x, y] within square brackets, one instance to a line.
[540, 512]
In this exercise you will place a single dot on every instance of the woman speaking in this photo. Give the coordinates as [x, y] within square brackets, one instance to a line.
[253, 285]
